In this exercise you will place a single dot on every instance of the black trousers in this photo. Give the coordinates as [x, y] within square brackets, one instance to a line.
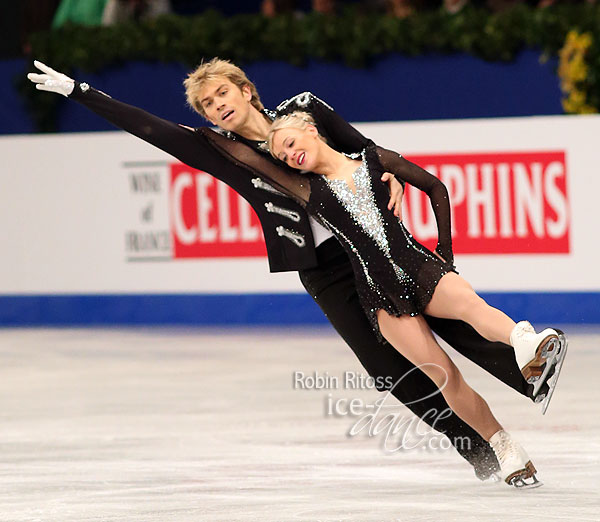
[332, 286]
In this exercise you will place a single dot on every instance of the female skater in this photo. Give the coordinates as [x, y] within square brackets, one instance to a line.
[398, 279]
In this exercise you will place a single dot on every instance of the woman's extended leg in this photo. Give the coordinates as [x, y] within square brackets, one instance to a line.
[536, 354]
[454, 298]
[412, 338]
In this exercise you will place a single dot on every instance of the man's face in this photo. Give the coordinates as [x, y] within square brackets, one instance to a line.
[225, 104]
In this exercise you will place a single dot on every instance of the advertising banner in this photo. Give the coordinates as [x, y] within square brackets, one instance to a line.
[106, 213]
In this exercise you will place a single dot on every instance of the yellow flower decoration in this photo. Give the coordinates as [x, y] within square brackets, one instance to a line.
[573, 72]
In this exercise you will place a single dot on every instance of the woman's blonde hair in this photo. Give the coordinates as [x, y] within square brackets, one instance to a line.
[295, 120]
[213, 70]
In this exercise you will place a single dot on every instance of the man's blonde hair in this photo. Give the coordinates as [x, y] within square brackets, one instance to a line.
[295, 120]
[213, 70]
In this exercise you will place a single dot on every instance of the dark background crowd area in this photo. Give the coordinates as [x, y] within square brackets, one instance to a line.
[20, 18]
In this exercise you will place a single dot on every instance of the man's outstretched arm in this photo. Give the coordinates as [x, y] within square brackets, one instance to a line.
[180, 141]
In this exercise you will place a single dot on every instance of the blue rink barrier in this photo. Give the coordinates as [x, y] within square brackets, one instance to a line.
[252, 309]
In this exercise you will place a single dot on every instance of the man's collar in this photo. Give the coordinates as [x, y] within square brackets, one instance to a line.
[256, 144]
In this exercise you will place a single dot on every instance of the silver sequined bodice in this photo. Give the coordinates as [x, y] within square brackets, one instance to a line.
[361, 204]
[364, 210]
[394, 272]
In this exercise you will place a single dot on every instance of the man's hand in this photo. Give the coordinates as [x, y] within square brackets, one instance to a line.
[396, 193]
[51, 80]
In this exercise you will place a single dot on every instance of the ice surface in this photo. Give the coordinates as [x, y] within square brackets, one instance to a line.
[171, 425]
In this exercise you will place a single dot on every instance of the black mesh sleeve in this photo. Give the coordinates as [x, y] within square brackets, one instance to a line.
[339, 133]
[404, 170]
[285, 179]
[200, 148]
[177, 140]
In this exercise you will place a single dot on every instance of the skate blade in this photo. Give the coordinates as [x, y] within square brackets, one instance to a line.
[539, 398]
[530, 483]
[558, 367]
[562, 338]
[551, 362]
[524, 478]
[549, 369]
[534, 370]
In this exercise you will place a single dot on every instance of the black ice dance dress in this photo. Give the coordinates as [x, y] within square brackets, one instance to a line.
[393, 271]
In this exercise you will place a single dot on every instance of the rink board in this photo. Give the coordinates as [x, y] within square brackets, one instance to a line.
[103, 228]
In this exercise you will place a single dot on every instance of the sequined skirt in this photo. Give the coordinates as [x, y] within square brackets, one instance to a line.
[401, 284]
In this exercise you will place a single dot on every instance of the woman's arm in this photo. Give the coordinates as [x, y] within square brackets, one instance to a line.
[438, 194]
[288, 181]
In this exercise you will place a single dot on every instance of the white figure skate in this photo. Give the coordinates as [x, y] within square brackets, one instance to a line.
[535, 353]
[516, 468]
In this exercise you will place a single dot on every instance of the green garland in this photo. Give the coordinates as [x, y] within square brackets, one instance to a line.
[351, 37]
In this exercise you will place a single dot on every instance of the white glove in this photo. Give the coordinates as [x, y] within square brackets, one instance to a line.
[51, 81]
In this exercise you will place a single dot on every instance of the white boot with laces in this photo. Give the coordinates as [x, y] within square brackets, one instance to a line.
[516, 468]
[535, 353]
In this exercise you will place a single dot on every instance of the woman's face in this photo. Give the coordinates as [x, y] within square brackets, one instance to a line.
[297, 148]
[225, 104]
